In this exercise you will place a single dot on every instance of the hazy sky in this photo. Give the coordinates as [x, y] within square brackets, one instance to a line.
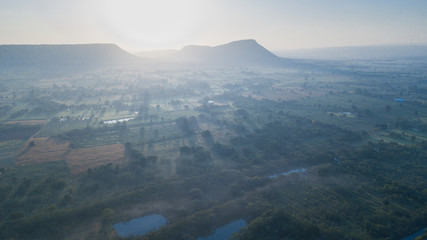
[158, 24]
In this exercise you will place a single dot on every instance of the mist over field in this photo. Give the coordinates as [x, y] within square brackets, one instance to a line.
[380, 52]
[207, 142]
[201, 120]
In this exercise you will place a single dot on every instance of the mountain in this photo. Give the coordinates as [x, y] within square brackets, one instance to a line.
[243, 52]
[359, 52]
[54, 57]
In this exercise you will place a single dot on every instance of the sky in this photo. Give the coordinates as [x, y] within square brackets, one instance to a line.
[139, 25]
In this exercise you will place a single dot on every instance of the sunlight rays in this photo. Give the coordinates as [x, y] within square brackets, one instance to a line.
[152, 22]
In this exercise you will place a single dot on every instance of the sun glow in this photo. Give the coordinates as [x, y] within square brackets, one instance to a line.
[156, 23]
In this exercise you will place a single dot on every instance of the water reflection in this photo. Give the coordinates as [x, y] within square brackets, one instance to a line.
[226, 231]
[140, 226]
[415, 235]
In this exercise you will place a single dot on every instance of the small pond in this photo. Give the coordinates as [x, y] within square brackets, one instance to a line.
[415, 235]
[226, 231]
[299, 170]
[140, 226]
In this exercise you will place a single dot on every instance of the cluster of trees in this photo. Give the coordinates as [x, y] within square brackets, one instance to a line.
[46, 106]
[187, 125]
[407, 124]
[280, 139]
[193, 159]
[277, 224]
[136, 157]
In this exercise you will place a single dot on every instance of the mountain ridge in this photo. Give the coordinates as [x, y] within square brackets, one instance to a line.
[241, 52]
[64, 55]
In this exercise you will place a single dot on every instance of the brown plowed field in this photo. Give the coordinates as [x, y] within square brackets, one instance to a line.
[78, 160]
[28, 122]
[44, 150]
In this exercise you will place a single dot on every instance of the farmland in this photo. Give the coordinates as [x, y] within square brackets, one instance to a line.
[197, 144]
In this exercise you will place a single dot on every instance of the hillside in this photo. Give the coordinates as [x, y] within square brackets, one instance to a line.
[54, 57]
[242, 52]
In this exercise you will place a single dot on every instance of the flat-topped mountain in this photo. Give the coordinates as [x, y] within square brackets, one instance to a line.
[51, 57]
[238, 52]
[243, 52]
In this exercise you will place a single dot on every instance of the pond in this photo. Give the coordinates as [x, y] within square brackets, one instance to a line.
[415, 235]
[140, 226]
[300, 170]
[226, 231]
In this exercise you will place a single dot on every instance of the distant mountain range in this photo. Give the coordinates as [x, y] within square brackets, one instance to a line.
[359, 52]
[243, 52]
[84, 56]
[53, 57]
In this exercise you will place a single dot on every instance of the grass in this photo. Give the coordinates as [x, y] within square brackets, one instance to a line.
[8, 151]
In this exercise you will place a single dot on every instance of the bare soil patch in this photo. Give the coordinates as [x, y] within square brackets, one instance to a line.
[81, 159]
[44, 150]
[78, 160]
[28, 122]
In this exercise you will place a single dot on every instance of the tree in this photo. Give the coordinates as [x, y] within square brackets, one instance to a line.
[141, 132]
[207, 136]
[107, 216]
[195, 193]
[128, 145]
[146, 100]
[106, 223]
[188, 125]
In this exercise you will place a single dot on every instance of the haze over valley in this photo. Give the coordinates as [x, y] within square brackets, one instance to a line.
[213, 120]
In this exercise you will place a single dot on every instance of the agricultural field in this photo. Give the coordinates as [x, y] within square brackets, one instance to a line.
[204, 146]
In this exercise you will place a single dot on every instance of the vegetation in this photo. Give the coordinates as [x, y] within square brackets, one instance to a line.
[206, 146]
